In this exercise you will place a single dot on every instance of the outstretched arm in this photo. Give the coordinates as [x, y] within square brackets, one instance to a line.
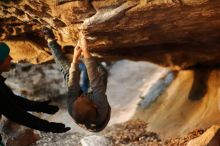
[35, 106]
[84, 47]
[96, 82]
[26, 104]
[74, 77]
[17, 114]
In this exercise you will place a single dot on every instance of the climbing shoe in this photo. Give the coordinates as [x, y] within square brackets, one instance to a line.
[48, 33]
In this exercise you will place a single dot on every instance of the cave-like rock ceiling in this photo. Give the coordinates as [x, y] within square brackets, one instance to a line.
[175, 33]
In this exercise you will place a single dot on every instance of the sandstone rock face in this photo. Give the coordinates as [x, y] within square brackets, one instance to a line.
[209, 138]
[174, 33]
[191, 101]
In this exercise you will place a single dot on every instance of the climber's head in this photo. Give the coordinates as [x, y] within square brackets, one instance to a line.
[84, 112]
[5, 58]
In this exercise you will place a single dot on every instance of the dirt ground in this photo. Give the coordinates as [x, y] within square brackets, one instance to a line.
[134, 133]
[130, 133]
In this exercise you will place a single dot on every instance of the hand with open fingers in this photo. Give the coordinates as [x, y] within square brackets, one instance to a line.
[48, 33]
[57, 128]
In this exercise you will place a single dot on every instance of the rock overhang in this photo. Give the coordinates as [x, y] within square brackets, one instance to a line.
[173, 33]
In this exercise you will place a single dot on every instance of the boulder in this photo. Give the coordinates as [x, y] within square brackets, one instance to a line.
[17, 135]
[95, 140]
[210, 138]
[174, 33]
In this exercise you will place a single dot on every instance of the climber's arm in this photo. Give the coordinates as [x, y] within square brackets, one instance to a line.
[74, 77]
[96, 82]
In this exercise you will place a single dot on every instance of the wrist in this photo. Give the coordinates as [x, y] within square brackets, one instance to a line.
[86, 54]
[75, 60]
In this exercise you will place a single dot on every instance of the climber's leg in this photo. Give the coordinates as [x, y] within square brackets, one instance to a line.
[60, 59]
[84, 79]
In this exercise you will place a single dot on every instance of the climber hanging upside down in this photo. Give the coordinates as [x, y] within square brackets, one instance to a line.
[87, 101]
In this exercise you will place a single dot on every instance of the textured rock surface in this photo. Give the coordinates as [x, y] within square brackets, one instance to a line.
[95, 140]
[183, 140]
[64, 139]
[175, 33]
[210, 138]
[16, 135]
[190, 102]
